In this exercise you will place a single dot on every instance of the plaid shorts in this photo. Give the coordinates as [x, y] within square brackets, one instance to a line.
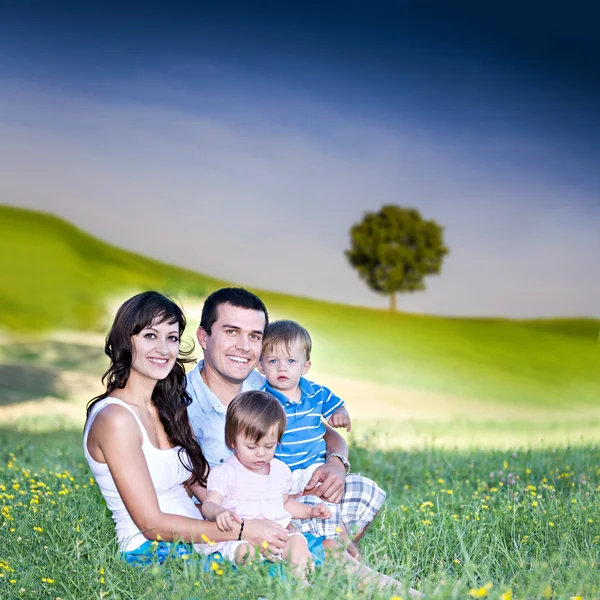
[360, 503]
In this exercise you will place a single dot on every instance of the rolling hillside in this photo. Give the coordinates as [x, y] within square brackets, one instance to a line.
[57, 277]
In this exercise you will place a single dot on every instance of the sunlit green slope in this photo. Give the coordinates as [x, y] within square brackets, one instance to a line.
[55, 276]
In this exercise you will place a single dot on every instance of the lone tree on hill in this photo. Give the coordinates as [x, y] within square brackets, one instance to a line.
[394, 249]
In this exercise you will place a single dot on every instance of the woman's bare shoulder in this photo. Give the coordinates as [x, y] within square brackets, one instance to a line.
[115, 418]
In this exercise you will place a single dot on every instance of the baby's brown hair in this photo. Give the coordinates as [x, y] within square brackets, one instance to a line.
[252, 414]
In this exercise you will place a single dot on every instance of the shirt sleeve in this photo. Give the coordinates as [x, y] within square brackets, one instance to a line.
[289, 478]
[220, 480]
[331, 402]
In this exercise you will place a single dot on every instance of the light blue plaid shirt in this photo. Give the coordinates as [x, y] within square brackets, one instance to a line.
[207, 414]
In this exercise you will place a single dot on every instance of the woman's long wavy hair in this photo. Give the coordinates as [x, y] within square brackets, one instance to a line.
[169, 395]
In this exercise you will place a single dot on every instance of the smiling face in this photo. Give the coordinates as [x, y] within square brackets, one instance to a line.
[155, 350]
[256, 456]
[233, 348]
[283, 366]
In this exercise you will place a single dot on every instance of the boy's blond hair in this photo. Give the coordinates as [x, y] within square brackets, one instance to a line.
[285, 333]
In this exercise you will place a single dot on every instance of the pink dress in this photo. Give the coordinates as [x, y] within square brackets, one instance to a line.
[252, 495]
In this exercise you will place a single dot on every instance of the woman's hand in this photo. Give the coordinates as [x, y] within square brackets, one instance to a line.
[226, 519]
[259, 532]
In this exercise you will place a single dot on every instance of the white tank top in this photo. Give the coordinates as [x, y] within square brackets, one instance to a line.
[168, 476]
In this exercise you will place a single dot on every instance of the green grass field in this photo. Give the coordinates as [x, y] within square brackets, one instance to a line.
[457, 524]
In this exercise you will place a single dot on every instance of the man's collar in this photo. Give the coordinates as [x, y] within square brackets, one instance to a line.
[208, 398]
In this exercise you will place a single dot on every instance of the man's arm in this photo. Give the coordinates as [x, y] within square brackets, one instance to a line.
[331, 475]
[335, 443]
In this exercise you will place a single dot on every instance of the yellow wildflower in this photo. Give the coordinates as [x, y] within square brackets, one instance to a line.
[547, 593]
[507, 595]
[481, 592]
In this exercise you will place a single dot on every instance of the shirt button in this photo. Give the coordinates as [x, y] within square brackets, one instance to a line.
[221, 460]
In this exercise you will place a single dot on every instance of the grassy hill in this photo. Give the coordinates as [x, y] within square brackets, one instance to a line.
[56, 276]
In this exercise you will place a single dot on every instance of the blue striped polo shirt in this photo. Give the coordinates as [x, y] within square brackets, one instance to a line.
[303, 442]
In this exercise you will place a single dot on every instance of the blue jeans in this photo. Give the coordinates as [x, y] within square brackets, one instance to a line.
[157, 552]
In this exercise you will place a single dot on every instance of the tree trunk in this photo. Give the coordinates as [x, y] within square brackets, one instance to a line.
[393, 302]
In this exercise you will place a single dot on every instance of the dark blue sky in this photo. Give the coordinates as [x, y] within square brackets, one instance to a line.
[509, 90]
[460, 66]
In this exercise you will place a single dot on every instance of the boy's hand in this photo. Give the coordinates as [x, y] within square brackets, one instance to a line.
[340, 418]
[320, 511]
[226, 519]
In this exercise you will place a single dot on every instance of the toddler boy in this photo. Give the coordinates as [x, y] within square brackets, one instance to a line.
[284, 360]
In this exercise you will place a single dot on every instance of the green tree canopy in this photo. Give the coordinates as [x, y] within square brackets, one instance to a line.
[394, 249]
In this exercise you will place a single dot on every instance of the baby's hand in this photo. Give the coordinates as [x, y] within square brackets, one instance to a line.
[226, 519]
[340, 418]
[320, 511]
